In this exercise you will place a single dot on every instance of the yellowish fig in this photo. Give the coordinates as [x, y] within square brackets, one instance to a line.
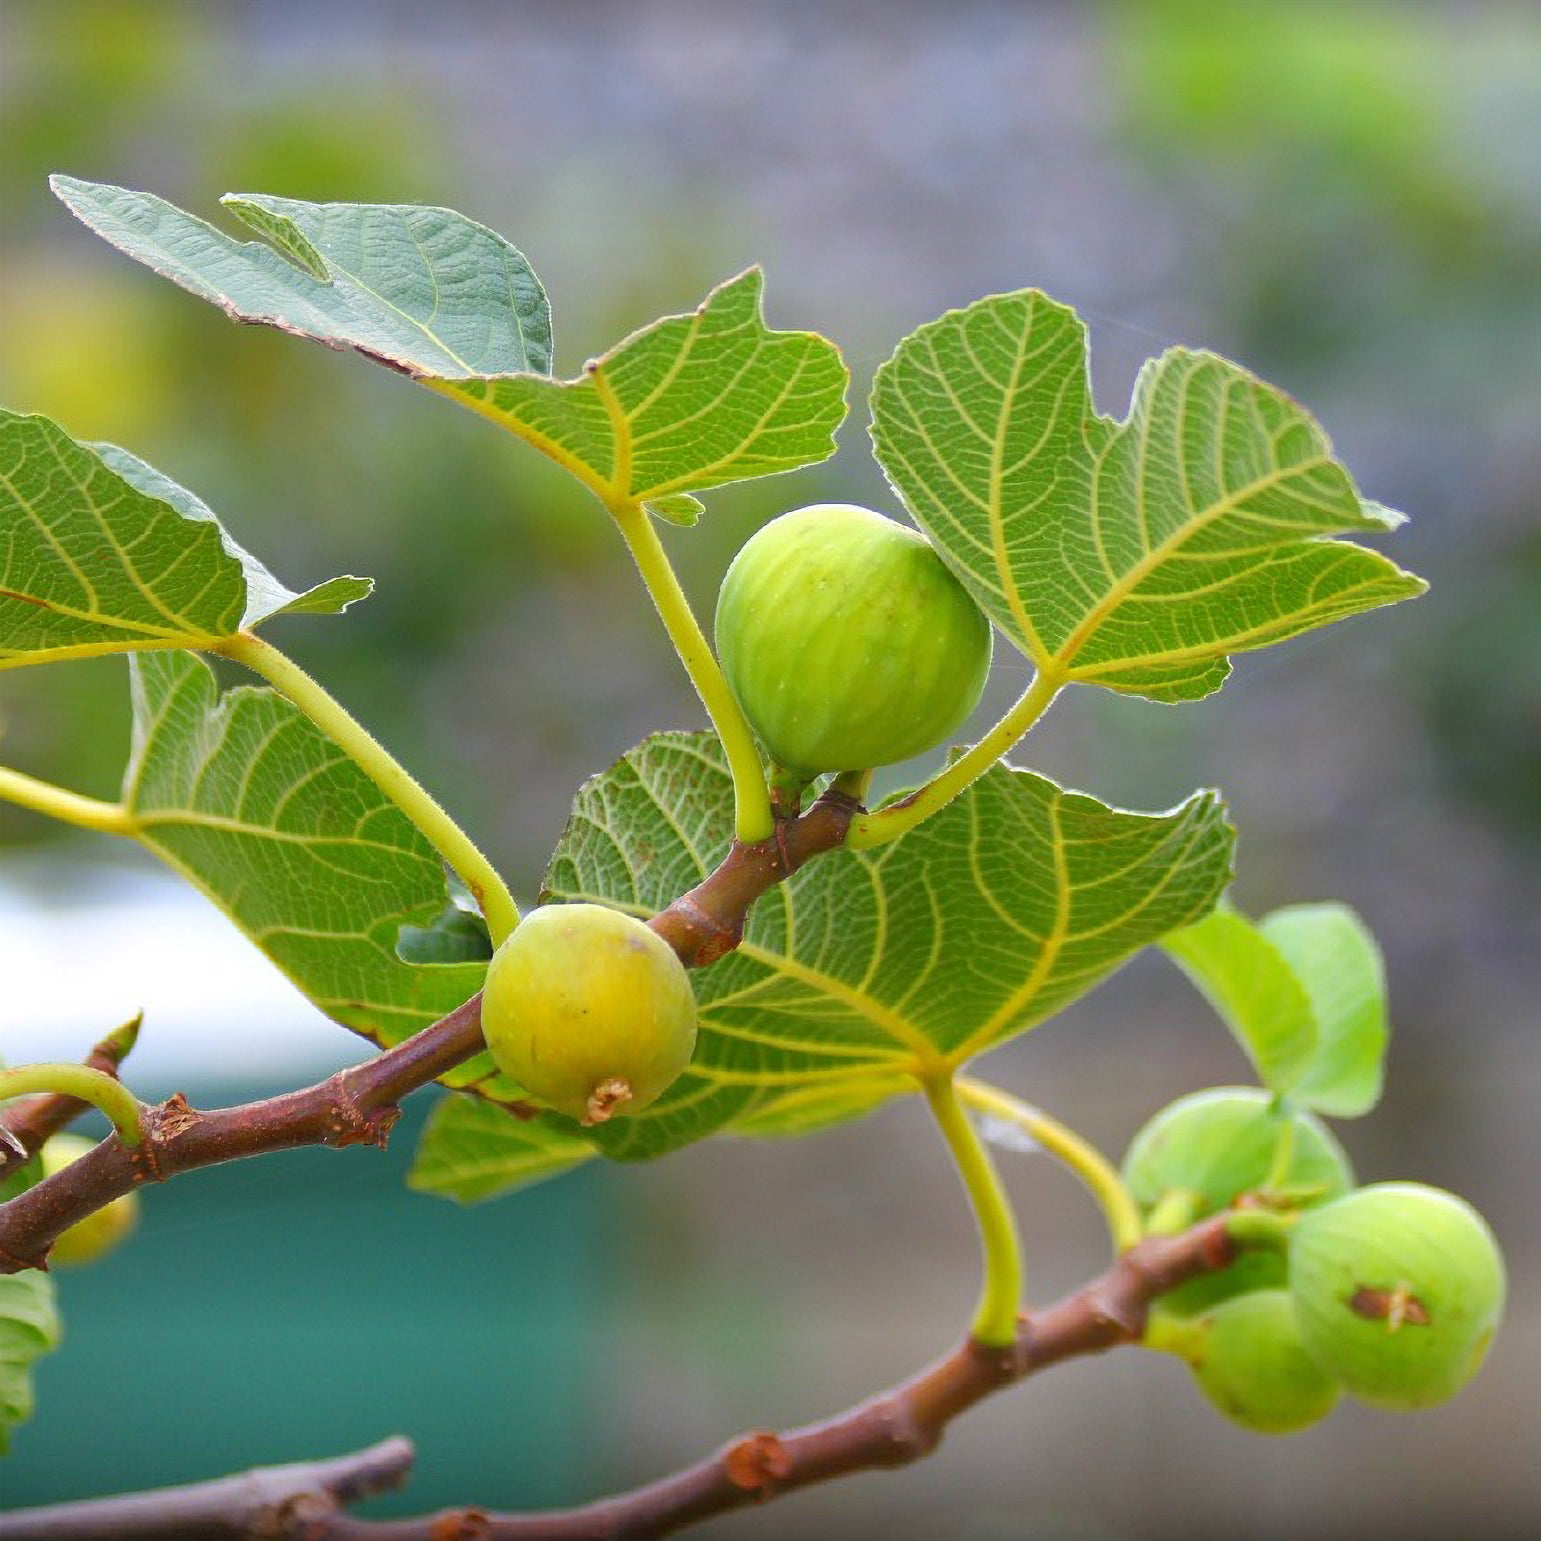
[589, 1010]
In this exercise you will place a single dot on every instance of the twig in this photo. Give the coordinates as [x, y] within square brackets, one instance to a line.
[26, 1126]
[892, 1429]
[268, 1501]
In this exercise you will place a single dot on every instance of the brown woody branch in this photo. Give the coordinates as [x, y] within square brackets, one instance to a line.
[30, 1121]
[359, 1105]
[356, 1106]
[269, 1501]
[892, 1429]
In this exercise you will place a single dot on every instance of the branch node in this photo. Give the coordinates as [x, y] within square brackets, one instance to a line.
[756, 1463]
[350, 1122]
[908, 1439]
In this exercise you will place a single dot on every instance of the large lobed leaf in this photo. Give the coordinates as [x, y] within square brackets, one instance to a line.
[1135, 555]
[1304, 993]
[867, 967]
[29, 1328]
[249, 801]
[100, 553]
[688, 403]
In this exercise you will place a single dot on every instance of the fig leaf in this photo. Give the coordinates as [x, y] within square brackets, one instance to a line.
[1139, 554]
[1303, 992]
[29, 1328]
[104, 554]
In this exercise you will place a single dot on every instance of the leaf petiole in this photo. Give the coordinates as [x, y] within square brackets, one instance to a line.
[447, 838]
[68, 807]
[871, 829]
[102, 1091]
[995, 1318]
[753, 819]
[1067, 1147]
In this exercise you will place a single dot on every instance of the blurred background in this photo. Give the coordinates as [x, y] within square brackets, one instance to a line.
[1344, 197]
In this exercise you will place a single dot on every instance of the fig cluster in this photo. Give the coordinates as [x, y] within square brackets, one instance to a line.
[590, 1011]
[847, 641]
[1390, 1292]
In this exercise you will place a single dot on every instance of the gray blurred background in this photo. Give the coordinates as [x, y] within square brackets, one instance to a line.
[1344, 197]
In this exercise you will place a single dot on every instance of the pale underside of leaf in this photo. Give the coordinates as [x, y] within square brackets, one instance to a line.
[100, 553]
[250, 802]
[1134, 555]
[688, 403]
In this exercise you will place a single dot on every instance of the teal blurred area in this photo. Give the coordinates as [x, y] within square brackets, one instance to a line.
[1345, 197]
[267, 1311]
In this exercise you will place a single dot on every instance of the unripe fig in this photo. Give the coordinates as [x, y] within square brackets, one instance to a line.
[100, 1231]
[1214, 1145]
[1248, 1360]
[589, 1011]
[1398, 1290]
[846, 640]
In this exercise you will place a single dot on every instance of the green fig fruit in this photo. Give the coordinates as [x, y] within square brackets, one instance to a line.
[589, 1010]
[846, 640]
[1398, 1290]
[1249, 1362]
[1214, 1145]
[101, 1230]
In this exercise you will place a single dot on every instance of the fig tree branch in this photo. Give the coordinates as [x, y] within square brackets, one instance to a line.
[359, 1105]
[356, 1106]
[894, 1428]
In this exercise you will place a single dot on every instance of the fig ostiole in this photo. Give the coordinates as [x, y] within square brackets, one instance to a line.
[101, 1230]
[1248, 1360]
[847, 642]
[589, 1010]
[1398, 1290]
[1212, 1146]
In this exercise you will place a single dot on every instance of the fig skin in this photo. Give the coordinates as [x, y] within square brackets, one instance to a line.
[103, 1229]
[1398, 1291]
[1250, 1363]
[589, 1010]
[1216, 1144]
[846, 640]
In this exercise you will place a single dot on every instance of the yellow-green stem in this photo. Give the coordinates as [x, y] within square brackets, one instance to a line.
[1284, 1149]
[870, 829]
[995, 1319]
[1174, 1211]
[70, 807]
[751, 797]
[371, 757]
[1167, 1333]
[1261, 1230]
[81, 1081]
[1066, 1146]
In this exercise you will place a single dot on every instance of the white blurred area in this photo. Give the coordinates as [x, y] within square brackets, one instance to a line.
[84, 944]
